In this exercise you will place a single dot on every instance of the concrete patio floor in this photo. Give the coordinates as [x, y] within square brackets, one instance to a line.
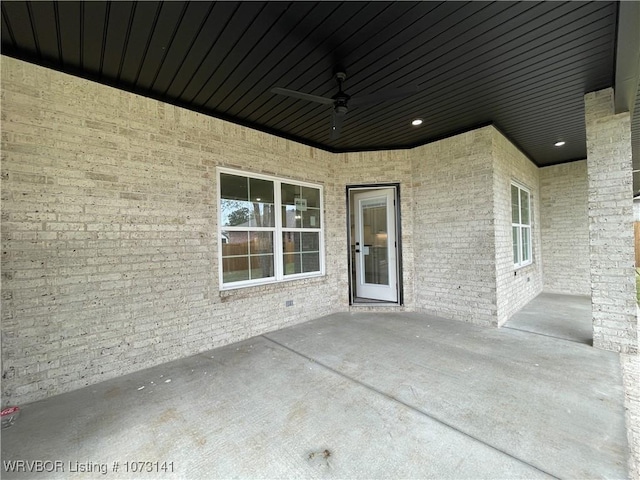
[567, 317]
[353, 395]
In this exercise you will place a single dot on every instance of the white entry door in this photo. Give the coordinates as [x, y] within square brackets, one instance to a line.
[375, 245]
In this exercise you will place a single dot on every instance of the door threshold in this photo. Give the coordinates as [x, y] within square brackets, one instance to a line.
[367, 302]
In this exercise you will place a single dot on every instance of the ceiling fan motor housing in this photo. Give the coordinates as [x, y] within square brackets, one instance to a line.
[341, 109]
[340, 99]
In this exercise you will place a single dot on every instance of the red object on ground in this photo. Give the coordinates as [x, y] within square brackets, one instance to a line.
[9, 415]
[9, 411]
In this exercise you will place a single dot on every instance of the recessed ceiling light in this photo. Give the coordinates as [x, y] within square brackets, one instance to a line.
[560, 143]
[416, 122]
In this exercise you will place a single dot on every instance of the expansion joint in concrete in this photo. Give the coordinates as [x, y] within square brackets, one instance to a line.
[544, 335]
[405, 404]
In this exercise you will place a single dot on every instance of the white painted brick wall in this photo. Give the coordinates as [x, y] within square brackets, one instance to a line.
[565, 228]
[611, 237]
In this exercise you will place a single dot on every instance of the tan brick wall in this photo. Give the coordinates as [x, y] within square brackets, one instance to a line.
[453, 228]
[109, 221]
[364, 168]
[109, 216]
[564, 224]
[515, 287]
[611, 236]
[462, 228]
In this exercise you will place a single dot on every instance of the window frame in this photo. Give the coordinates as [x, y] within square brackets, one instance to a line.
[278, 229]
[521, 226]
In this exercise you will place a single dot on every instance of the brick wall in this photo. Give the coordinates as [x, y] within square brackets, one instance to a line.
[109, 216]
[365, 168]
[515, 287]
[108, 233]
[564, 224]
[453, 228]
[611, 243]
[462, 228]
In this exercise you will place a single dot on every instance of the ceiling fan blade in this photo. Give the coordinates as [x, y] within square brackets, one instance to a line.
[302, 96]
[336, 125]
[384, 95]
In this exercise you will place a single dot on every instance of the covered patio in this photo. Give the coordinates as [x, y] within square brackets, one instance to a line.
[320, 239]
[353, 395]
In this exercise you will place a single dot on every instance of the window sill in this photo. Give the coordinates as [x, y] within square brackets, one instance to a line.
[249, 290]
[517, 268]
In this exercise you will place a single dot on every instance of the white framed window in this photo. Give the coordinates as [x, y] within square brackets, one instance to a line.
[521, 225]
[270, 229]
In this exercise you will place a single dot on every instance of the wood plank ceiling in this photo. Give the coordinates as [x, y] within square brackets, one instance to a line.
[523, 66]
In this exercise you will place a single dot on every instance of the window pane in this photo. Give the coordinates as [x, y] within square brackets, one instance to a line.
[310, 262]
[524, 207]
[246, 201]
[290, 217]
[310, 218]
[310, 242]
[289, 193]
[234, 187]
[262, 215]
[516, 248]
[312, 195]
[260, 190]
[515, 207]
[248, 228]
[295, 242]
[290, 242]
[235, 269]
[526, 244]
[261, 266]
[237, 244]
[300, 206]
[292, 263]
[261, 242]
[235, 213]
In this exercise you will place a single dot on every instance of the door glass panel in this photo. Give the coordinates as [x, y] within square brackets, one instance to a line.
[375, 245]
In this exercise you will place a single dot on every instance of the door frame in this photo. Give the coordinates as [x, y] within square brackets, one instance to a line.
[350, 190]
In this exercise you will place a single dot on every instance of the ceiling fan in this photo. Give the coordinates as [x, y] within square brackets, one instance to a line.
[341, 101]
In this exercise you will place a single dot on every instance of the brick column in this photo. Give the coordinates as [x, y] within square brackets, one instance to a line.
[611, 244]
